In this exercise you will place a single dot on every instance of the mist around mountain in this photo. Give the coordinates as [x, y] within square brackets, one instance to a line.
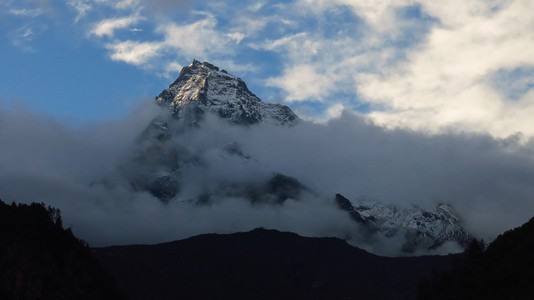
[107, 178]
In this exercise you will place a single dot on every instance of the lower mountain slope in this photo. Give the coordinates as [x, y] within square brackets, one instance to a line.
[41, 260]
[263, 264]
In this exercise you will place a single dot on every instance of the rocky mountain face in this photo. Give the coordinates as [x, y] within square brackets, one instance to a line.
[164, 156]
[200, 90]
[202, 87]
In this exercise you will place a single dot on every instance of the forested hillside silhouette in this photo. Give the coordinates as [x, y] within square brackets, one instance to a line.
[39, 259]
[503, 270]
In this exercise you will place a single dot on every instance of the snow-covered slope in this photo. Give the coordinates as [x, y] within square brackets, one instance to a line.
[202, 87]
[420, 229]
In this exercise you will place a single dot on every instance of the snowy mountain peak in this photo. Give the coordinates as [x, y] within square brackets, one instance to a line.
[202, 87]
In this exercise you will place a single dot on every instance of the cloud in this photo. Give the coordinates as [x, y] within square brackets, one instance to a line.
[195, 39]
[444, 81]
[123, 4]
[488, 180]
[132, 52]
[24, 22]
[236, 36]
[81, 7]
[380, 15]
[199, 39]
[418, 65]
[412, 64]
[76, 171]
[23, 12]
[23, 36]
[441, 80]
[303, 82]
[108, 27]
[432, 74]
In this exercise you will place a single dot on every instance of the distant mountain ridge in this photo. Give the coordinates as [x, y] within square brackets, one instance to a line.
[421, 229]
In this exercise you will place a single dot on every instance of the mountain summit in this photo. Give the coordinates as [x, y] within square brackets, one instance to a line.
[203, 87]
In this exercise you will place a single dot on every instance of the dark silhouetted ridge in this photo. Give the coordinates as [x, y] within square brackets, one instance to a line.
[263, 264]
[505, 270]
[41, 260]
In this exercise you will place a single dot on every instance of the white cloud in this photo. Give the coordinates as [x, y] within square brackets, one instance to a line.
[435, 80]
[108, 27]
[24, 12]
[81, 7]
[132, 52]
[236, 36]
[26, 32]
[319, 67]
[172, 69]
[288, 41]
[196, 39]
[255, 7]
[250, 25]
[303, 82]
[444, 82]
[123, 4]
[380, 15]
[23, 36]
[335, 111]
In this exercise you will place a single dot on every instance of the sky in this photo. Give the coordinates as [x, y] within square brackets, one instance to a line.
[464, 66]
[409, 102]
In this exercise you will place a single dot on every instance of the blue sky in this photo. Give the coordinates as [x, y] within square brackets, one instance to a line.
[463, 65]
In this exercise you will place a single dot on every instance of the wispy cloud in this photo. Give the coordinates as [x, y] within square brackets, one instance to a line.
[107, 27]
[123, 4]
[136, 53]
[23, 36]
[81, 7]
[24, 12]
[199, 39]
[195, 39]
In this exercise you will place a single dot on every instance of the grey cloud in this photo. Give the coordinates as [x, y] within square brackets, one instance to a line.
[490, 182]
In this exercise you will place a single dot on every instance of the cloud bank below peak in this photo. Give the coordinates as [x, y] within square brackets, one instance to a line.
[487, 180]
